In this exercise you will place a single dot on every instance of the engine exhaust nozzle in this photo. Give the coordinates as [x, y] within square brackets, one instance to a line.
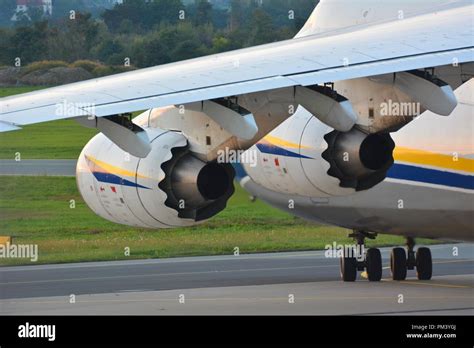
[359, 160]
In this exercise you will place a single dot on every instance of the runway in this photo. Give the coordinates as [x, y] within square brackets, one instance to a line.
[298, 283]
[38, 167]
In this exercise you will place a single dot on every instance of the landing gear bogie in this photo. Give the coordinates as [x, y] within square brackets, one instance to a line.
[370, 261]
[348, 268]
[373, 262]
[424, 264]
[401, 261]
[398, 264]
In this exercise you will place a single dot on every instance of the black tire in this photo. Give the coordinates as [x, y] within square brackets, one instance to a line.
[348, 269]
[398, 264]
[374, 264]
[424, 264]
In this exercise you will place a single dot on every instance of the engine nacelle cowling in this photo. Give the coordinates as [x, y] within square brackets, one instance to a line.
[308, 158]
[168, 188]
[341, 163]
[359, 160]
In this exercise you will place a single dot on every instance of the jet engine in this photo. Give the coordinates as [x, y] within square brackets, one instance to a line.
[168, 188]
[341, 163]
[314, 160]
[359, 160]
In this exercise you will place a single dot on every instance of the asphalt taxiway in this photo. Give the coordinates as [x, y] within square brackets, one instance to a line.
[38, 167]
[294, 283]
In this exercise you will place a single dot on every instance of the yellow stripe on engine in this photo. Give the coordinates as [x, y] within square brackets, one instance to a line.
[283, 143]
[404, 154]
[113, 169]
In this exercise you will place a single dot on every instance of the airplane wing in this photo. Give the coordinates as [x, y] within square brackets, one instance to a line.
[440, 38]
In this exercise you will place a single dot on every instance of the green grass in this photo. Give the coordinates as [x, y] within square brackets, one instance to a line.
[35, 210]
[50, 140]
[8, 91]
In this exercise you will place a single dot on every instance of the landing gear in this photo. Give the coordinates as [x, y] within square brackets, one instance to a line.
[348, 268]
[401, 261]
[424, 264]
[358, 260]
[398, 264]
[373, 262]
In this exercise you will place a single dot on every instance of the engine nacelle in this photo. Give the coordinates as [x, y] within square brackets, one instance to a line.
[359, 160]
[345, 162]
[169, 188]
[314, 160]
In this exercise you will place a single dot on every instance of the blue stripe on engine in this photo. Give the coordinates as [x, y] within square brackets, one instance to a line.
[114, 179]
[275, 150]
[240, 172]
[430, 176]
[399, 171]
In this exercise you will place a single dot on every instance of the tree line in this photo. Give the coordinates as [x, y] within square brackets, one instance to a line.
[147, 33]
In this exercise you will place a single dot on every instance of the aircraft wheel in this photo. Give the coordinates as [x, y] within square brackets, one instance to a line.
[398, 264]
[424, 264]
[348, 268]
[374, 264]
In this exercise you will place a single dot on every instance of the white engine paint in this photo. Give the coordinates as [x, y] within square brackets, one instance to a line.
[125, 202]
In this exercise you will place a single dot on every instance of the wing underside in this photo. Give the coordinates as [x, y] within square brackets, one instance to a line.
[393, 46]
